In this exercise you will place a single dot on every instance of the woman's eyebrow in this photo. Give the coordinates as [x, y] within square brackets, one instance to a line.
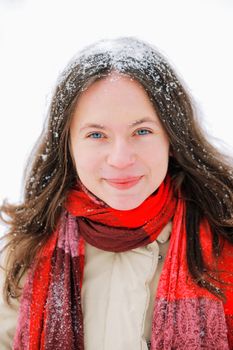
[136, 122]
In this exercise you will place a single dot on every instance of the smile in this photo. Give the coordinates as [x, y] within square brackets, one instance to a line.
[123, 184]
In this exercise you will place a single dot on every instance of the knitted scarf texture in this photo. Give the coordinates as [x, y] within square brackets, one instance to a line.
[186, 316]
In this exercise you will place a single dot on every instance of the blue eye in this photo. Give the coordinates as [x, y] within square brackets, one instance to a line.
[95, 135]
[143, 131]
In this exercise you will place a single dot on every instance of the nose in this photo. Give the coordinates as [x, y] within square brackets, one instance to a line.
[121, 155]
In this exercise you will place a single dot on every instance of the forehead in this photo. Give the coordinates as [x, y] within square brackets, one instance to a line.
[115, 94]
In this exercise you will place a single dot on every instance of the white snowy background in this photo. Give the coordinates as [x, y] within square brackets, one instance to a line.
[37, 38]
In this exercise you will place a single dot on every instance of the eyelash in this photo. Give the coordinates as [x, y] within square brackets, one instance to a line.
[94, 133]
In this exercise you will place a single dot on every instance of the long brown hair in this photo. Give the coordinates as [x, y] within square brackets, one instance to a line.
[203, 175]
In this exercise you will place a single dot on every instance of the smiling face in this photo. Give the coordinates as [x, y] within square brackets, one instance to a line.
[118, 144]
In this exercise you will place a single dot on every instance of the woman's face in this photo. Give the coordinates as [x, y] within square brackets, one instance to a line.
[118, 144]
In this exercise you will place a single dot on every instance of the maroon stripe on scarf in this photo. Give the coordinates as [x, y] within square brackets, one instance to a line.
[64, 318]
[64, 323]
[113, 239]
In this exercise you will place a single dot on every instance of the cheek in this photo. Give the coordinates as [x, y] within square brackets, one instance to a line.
[86, 161]
[158, 158]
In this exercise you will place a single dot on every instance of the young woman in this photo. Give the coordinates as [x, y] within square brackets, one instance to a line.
[124, 237]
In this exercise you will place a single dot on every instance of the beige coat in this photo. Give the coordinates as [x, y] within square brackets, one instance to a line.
[117, 297]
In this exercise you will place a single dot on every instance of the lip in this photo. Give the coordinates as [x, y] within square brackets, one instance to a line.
[124, 183]
[124, 179]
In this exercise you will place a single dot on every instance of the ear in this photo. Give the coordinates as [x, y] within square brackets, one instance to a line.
[171, 154]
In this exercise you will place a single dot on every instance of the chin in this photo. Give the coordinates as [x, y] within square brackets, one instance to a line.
[125, 205]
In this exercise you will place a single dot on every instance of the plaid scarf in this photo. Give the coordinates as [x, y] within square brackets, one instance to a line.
[186, 316]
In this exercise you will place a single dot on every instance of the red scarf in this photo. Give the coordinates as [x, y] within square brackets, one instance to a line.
[186, 316]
